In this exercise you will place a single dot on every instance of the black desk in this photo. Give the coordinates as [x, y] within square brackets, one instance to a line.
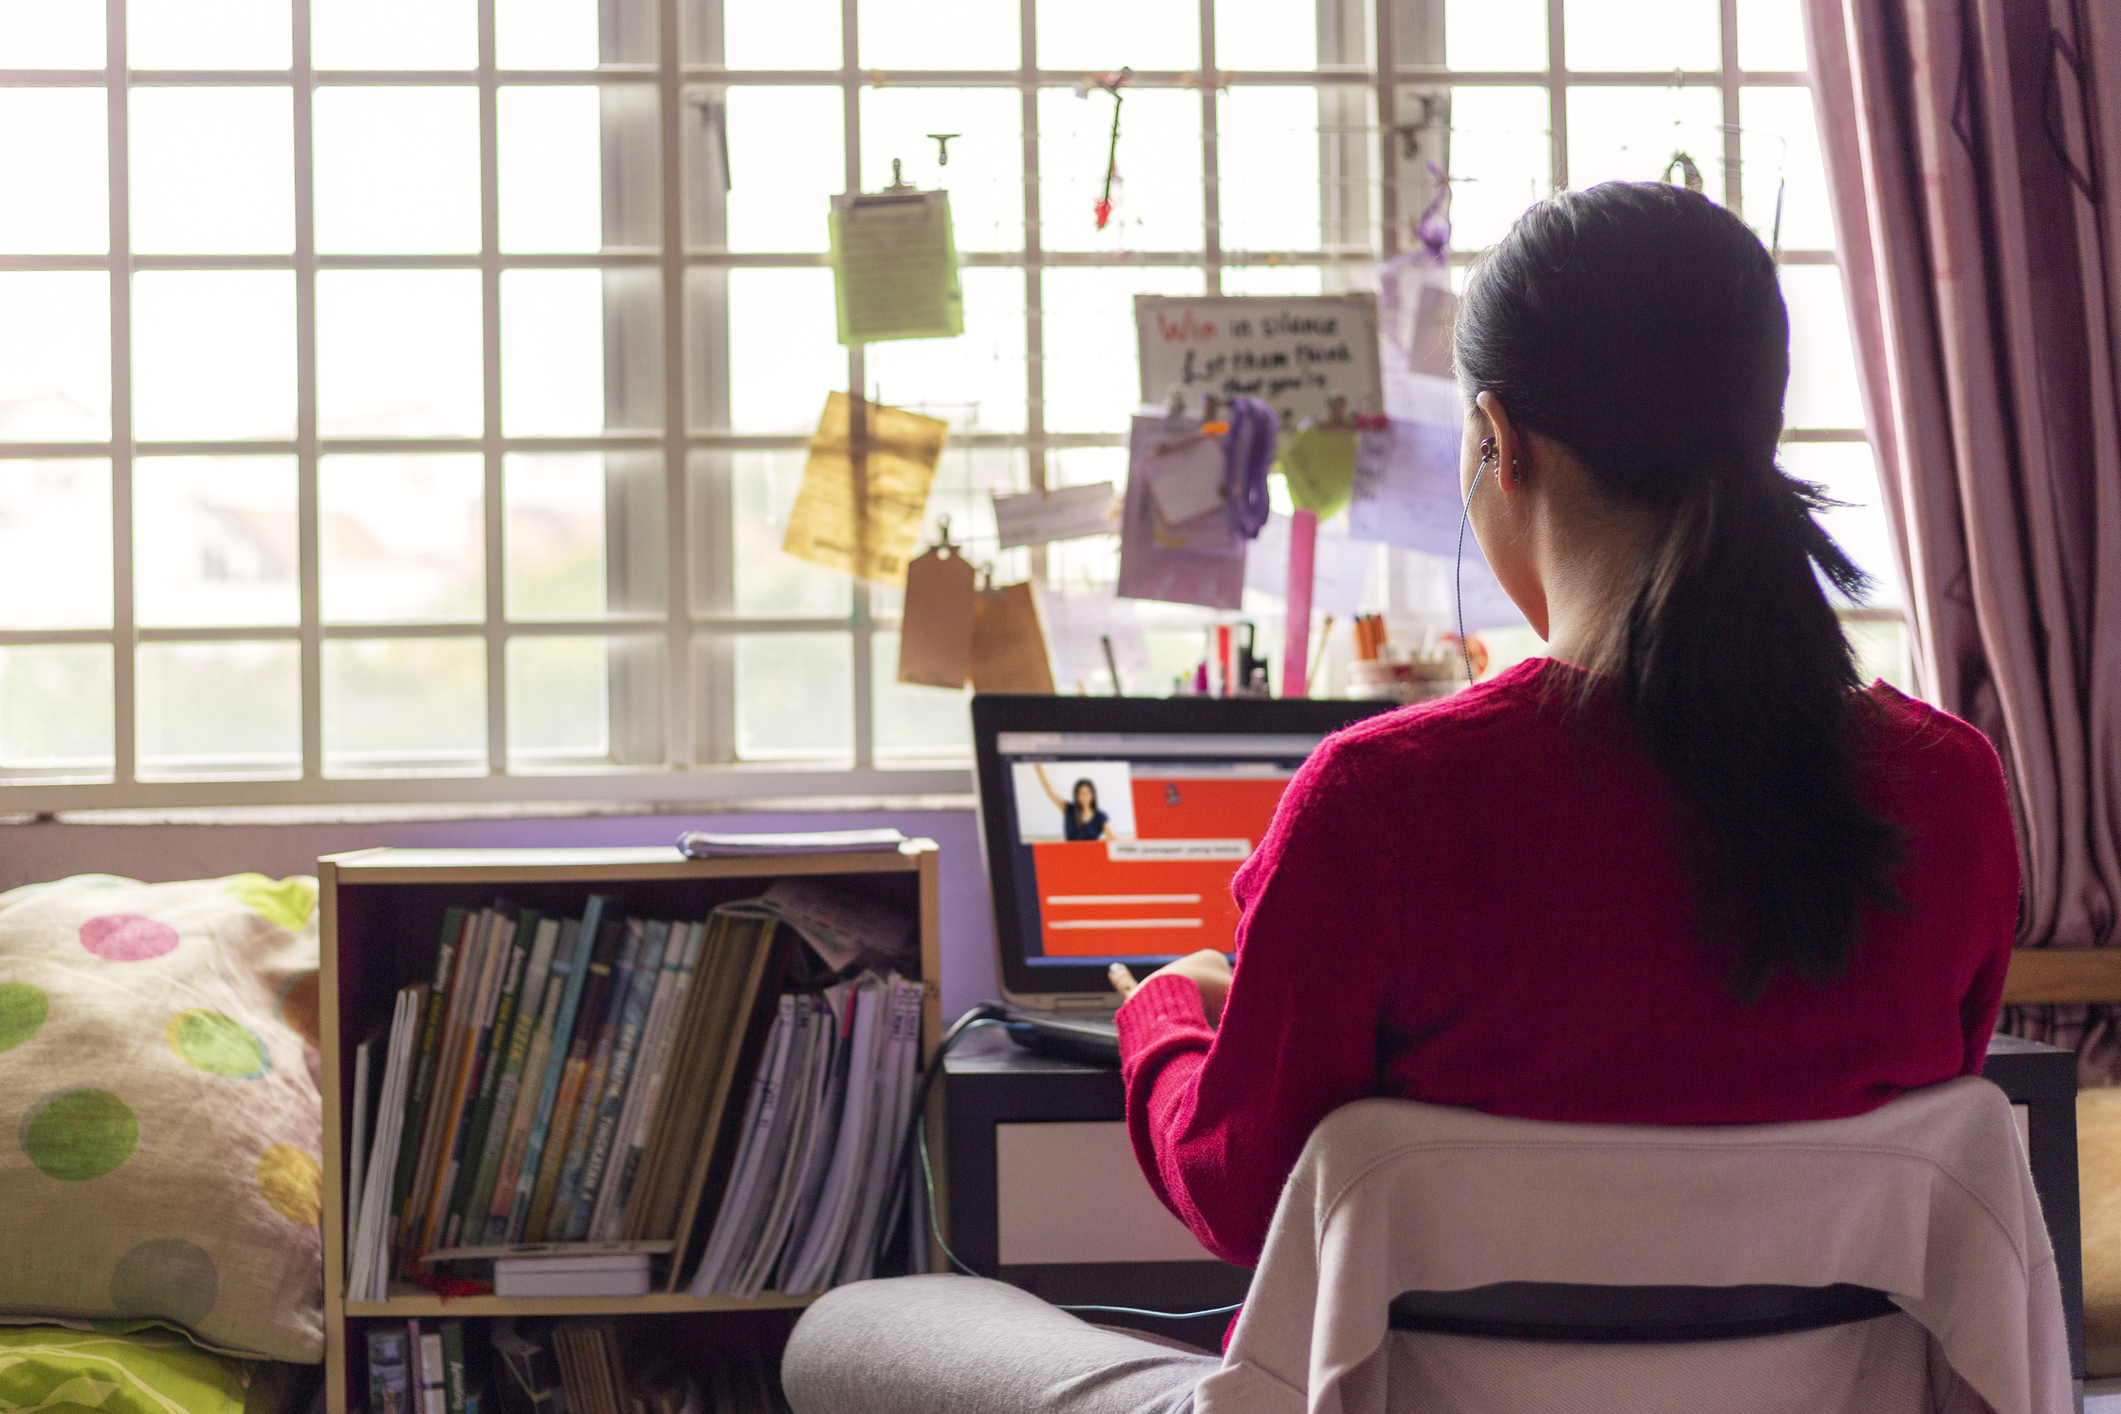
[989, 1080]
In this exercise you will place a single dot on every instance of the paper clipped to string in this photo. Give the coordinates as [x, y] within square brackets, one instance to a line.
[1042, 517]
[1406, 494]
[935, 628]
[865, 489]
[1008, 643]
[1201, 561]
[894, 263]
[1295, 353]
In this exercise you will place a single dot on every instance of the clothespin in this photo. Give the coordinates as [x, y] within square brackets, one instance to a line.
[1211, 421]
[943, 541]
[1337, 411]
[898, 182]
[942, 148]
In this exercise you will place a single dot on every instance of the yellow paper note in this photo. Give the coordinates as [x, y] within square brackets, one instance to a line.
[865, 489]
[894, 264]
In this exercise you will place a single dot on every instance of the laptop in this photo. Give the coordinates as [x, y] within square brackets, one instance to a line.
[1113, 826]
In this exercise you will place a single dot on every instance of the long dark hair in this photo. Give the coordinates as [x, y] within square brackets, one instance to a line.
[1641, 326]
[1075, 804]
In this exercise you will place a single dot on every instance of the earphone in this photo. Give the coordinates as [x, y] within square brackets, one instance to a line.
[1488, 454]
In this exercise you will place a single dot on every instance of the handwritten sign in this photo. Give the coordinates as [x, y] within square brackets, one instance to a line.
[1293, 353]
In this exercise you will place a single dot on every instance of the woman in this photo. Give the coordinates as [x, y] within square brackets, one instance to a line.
[1080, 817]
[1687, 870]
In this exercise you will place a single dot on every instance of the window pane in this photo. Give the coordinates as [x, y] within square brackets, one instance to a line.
[769, 583]
[218, 709]
[208, 34]
[1642, 36]
[915, 721]
[55, 360]
[1102, 34]
[1265, 34]
[976, 380]
[1883, 651]
[214, 542]
[404, 706]
[783, 358]
[1630, 134]
[1093, 373]
[1781, 142]
[1156, 198]
[52, 34]
[793, 34]
[55, 711]
[565, 34]
[787, 160]
[55, 544]
[1849, 472]
[213, 170]
[794, 695]
[394, 34]
[581, 351]
[398, 353]
[397, 170]
[985, 177]
[1771, 35]
[1273, 280]
[1267, 153]
[581, 702]
[401, 539]
[1501, 161]
[58, 187]
[1495, 34]
[585, 534]
[1823, 391]
[213, 354]
[552, 177]
[938, 34]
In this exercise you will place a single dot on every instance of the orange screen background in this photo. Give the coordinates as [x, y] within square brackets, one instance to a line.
[1166, 807]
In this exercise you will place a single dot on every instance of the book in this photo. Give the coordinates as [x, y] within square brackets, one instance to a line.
[503, 968]
[647, 978]
[707, 844]
[502, 1204]
[612, 1275]
[576, 1162]
[559, 1133]
[634, 1121]
[368, 1072]
[900, 1050]
[453, 1384]
[839, 1196]
[428, 1060]
[426, 1349]
[809, 1185]
[548, 1088]
[368, 1258]
[788, 1158]
[514, 1019]
[737, 1218]
[389, 1375]
[467, 980]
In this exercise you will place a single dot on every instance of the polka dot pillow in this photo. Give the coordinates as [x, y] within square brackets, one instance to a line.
[160, 1124]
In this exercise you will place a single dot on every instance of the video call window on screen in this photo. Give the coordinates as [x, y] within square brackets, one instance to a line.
[1132, 851]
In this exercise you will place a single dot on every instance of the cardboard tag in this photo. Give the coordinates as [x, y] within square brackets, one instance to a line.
[1008, 647]
[1187, 480]
[935, 634]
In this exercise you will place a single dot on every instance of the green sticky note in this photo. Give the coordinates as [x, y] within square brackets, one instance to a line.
[1320, 465]
[894, 265]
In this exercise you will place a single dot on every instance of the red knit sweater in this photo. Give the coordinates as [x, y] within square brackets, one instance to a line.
[1478, 902]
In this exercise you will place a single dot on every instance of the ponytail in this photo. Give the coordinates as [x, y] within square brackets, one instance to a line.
[1642, 327]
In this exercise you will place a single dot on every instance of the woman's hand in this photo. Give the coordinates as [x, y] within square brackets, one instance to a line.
[1207, 969]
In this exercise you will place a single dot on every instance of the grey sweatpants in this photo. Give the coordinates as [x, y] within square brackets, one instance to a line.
[964, 1345]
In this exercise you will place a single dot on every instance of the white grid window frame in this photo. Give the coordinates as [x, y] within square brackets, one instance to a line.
[693, 756]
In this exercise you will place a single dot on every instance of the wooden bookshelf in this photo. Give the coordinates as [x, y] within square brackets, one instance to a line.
[379, 913]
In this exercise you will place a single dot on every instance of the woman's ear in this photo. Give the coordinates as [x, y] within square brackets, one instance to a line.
[1508, 466]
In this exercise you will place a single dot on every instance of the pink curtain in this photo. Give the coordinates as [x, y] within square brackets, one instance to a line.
[1974, 153]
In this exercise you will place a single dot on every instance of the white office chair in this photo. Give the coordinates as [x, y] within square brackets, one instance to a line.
[1425, 1260]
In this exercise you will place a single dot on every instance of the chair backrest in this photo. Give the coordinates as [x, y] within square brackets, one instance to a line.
[1581, 1313]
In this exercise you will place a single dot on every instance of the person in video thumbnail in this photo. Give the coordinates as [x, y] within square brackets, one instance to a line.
[1080, 817]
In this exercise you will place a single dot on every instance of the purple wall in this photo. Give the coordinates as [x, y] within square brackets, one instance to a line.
[33, 852]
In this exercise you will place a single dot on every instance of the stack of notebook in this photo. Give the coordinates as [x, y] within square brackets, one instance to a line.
[559, 1081]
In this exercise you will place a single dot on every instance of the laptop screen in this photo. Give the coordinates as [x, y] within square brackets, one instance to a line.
[1118, 845]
